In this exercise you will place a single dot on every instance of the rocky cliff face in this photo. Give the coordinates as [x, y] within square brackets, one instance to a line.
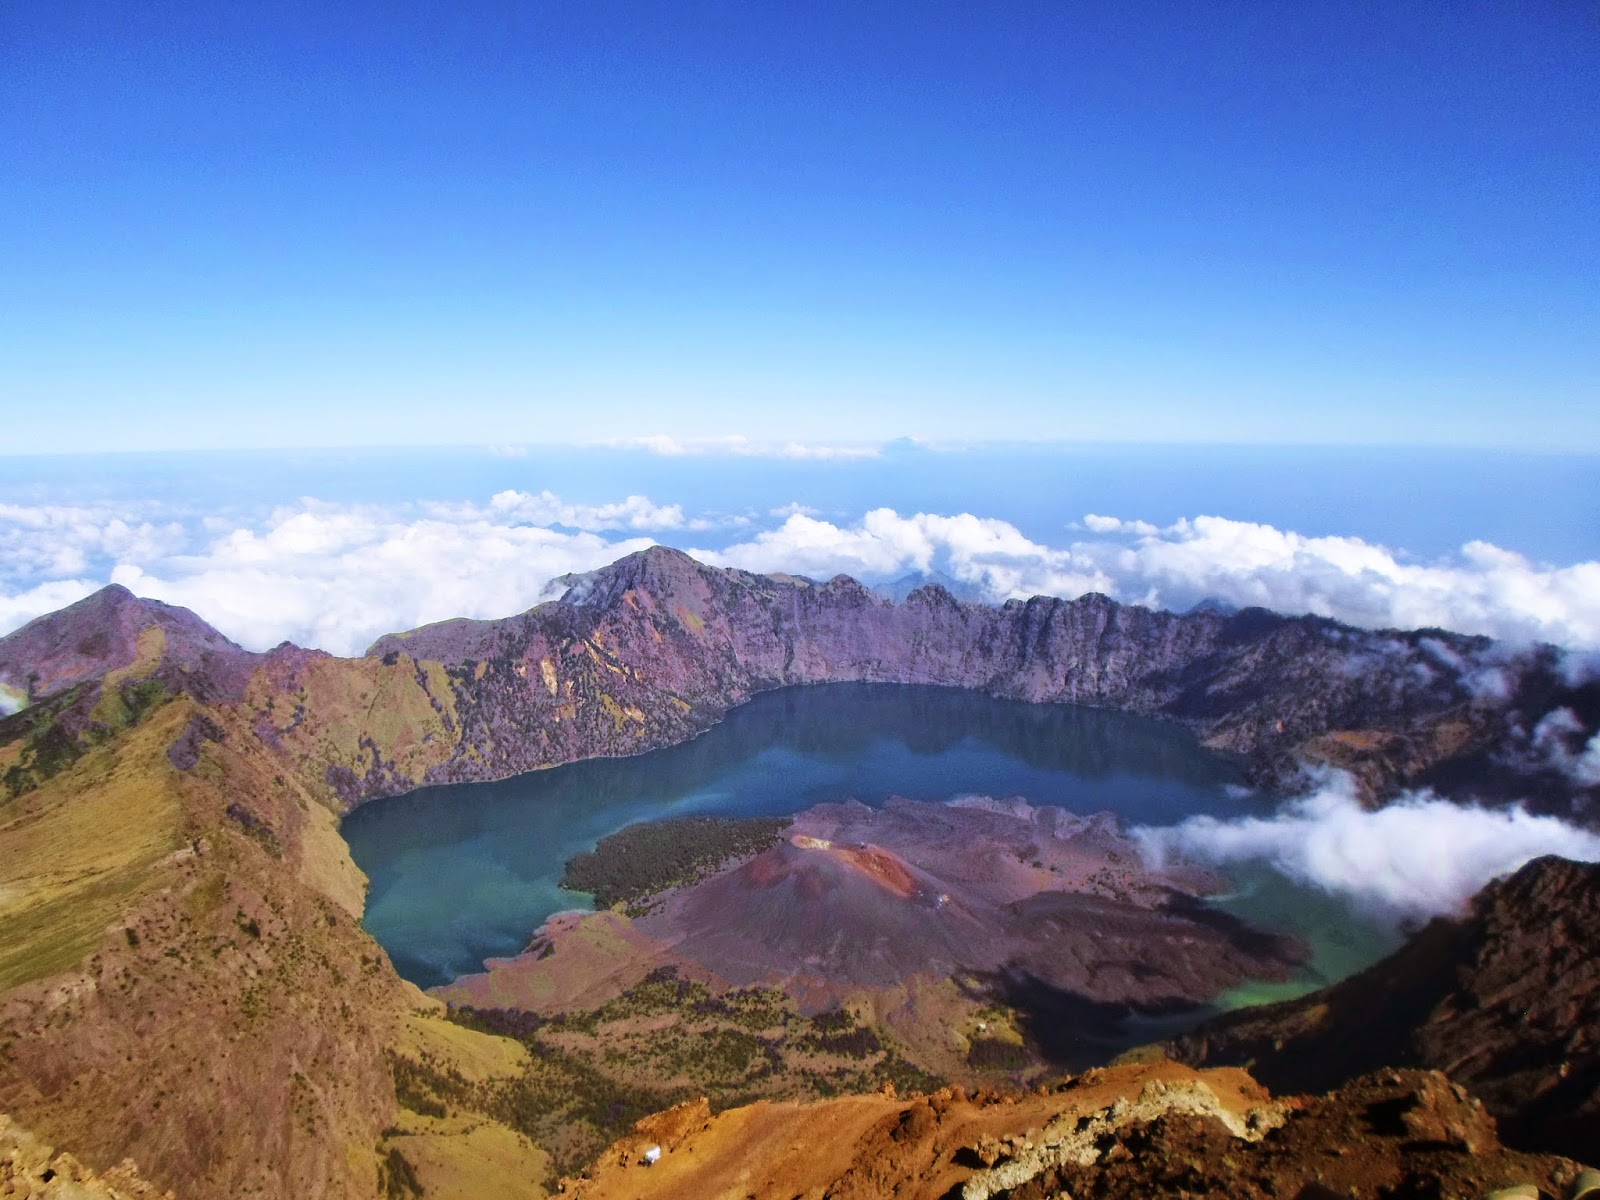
[1505, 1000]
[656, 647]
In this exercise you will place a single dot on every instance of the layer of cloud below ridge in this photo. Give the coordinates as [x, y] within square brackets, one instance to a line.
[336, 576]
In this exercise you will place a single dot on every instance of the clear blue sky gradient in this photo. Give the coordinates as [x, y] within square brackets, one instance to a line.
[313, 224]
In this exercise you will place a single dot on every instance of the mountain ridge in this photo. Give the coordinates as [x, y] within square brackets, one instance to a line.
[656, 647]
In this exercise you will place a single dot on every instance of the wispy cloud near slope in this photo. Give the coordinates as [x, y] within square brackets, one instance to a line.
[336, 576]
[1417, 857]
[337, 580]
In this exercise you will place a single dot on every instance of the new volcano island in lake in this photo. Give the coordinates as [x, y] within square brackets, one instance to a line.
[905, 911]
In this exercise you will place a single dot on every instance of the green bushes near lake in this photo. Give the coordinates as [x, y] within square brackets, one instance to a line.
[635, 863]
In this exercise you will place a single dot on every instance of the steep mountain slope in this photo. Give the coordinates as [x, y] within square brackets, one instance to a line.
[183, 977]
[1506, 1000]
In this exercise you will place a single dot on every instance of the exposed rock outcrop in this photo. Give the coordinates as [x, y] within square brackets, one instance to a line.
[32, 1170]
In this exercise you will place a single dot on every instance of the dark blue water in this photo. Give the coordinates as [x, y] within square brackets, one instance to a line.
[464, 872]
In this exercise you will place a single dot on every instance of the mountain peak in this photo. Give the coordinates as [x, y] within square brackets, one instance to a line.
[102, 632]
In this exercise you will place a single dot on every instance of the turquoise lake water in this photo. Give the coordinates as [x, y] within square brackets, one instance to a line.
[465, 872]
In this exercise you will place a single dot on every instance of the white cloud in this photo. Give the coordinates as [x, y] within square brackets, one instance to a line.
[1580, 667]
[546, 508]
[1553, 741]
[18, 609]
[337, 580]
[990, 555]
[1483, 590]
[1095, 523]
[819, 450]
[334, 575]
[1415, 858]
[1586, 767]
[44, 541]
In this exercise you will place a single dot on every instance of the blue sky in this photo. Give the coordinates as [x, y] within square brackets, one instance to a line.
[297, 224]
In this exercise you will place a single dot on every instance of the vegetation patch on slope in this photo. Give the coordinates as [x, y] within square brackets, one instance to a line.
[593, 1074]
[43, 740]
[42, 745]
[637, 862]
[80, 846]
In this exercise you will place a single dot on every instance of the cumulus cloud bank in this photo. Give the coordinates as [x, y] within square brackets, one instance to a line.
[336, 576]
[991, 555]
[1483, 590]
[338, 579]
[1416, 858]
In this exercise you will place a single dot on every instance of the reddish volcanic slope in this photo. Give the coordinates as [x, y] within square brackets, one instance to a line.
[862, 896]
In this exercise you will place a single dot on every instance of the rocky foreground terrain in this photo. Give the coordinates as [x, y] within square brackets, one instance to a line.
[1134, 1131]
[184, 980]
[30, 1168]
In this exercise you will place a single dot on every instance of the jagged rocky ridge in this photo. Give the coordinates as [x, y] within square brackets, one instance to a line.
[1125, 1133]
[657, 647]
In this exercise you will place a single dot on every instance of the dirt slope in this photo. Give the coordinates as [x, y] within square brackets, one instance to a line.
[1129, 1131]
